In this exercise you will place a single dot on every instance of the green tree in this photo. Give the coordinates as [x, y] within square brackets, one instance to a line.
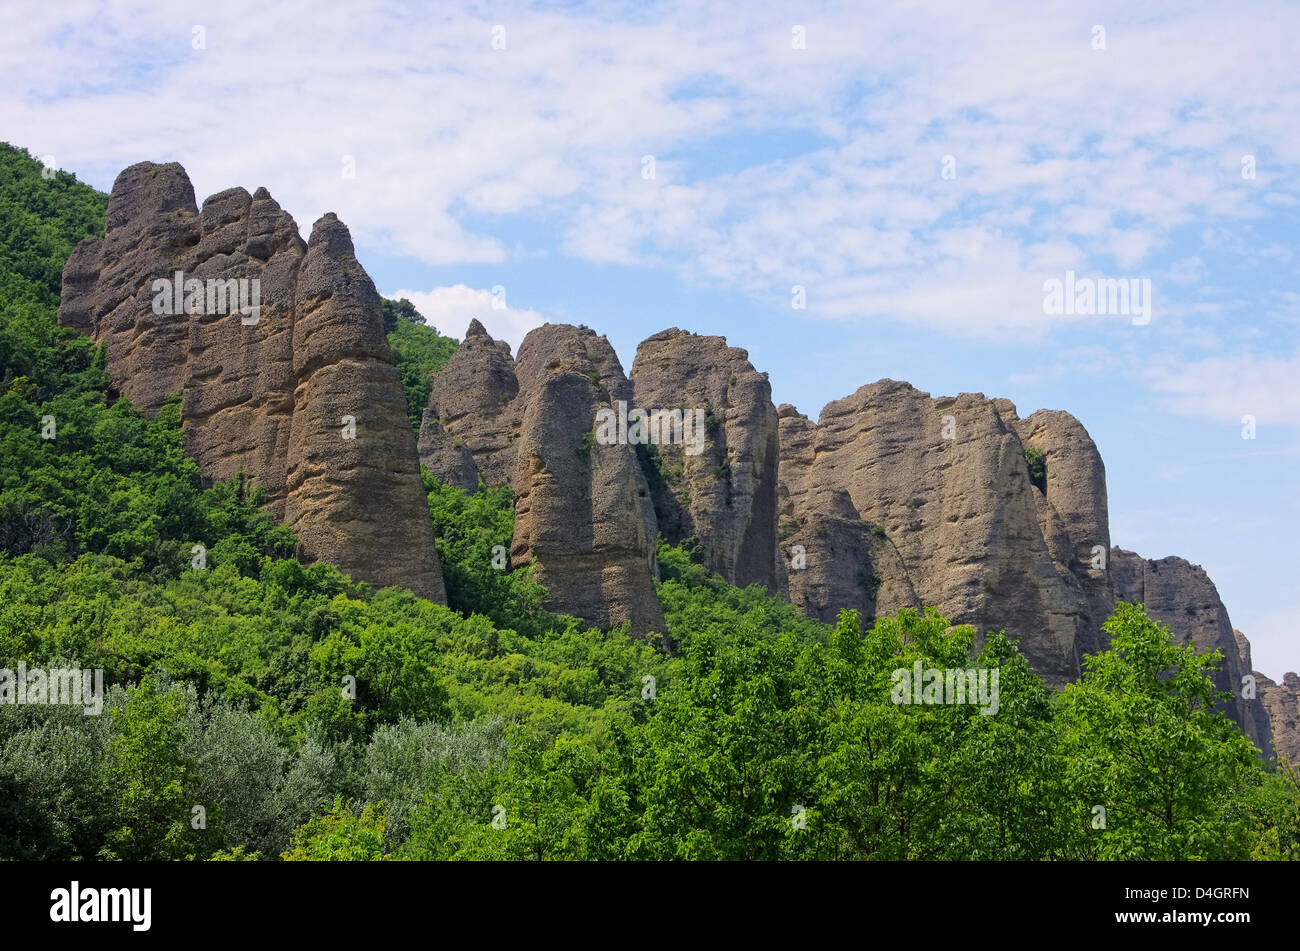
[1143, 739]
[420, 352]
[340, 836]
[474, 533]
[150, 775]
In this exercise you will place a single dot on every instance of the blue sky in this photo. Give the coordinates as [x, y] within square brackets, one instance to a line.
[525, 167]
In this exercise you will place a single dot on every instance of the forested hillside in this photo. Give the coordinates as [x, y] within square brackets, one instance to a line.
[259, 708]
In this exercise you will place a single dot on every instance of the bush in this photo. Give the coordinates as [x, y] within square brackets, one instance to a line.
[1037, 464]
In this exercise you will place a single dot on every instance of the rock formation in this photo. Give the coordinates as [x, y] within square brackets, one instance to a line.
[726, 494]
[892, 499]
[583, 512]
[895, 499]
[470, 424]
[1072, 510]
[301, 393]
[1282, 702]
[901, 499]
[831, 557]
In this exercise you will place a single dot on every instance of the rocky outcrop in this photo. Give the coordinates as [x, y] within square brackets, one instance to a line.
[583, 509]
[892, 499]
[1282, 702]
[722, 490]
[1072, 510]
[299, 391]
[471, 423]
[583, 512]
[833, 558]
[929, 501]
[1182, 596]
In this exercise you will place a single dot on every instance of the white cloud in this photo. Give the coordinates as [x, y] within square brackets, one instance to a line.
[1067, 157]
[1056, 143]
[1227, 388]
[450, 309]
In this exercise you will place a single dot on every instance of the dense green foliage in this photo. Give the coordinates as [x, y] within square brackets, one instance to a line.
[41, 220]
[751, 742]
[1037, 463]
[420, 351]
[259, 708]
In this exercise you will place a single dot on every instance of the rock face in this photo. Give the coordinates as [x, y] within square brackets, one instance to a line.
[1282, 701]
[1281, 704]
[894, 499]
[900, 499]
[833, 558]
[726, 493]
[301, 393]
[583, 512]
[1072, 510]
[471, 424]
[1182, 596]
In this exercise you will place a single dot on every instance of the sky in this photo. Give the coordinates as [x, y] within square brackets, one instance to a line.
[920, 171]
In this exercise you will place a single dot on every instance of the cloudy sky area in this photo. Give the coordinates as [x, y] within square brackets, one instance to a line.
[524, 167]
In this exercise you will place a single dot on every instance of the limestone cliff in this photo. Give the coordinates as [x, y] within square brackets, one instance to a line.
[471, 423]
[898, 498]
[1072, 510]
[832, 558]
[895, 499]
[1282, 702]
[583, 512]
[300, 392]
[725, 494]
[892, 499]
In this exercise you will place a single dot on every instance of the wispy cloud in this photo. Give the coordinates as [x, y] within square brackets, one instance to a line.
[1228, 388]
[1065, 155]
